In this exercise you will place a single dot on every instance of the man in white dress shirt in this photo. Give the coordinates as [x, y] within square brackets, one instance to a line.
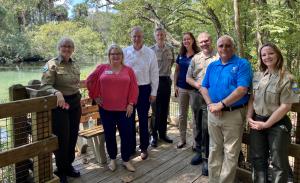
[144, 63]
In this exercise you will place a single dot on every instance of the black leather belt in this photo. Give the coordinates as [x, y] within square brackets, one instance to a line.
[71, 96]
[257, 117]
[233, 108]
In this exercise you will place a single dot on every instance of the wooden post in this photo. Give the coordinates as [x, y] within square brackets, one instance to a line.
[19, 124]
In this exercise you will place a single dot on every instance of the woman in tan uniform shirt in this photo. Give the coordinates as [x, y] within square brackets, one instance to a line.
[61, 76]
[273, 94]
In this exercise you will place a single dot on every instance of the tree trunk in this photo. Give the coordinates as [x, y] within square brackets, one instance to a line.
[237, 28]
[215, 21]
[261, 35]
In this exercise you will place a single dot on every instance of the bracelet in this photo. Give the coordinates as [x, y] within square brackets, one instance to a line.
[223, 104]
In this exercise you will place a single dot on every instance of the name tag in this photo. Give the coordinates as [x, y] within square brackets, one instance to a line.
[108, 72]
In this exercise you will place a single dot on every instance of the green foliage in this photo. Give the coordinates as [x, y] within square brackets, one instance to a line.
[80, 11]
[87, 42]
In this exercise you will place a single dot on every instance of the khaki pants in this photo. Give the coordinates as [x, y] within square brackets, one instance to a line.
[184, 97]
[225, 144]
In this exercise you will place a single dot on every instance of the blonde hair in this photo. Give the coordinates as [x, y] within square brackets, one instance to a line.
[118, 48]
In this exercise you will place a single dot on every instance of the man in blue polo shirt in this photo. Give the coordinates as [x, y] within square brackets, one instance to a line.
[224, 88]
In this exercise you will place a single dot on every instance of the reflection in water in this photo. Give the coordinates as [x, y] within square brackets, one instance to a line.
[9, 78]
[3, 138]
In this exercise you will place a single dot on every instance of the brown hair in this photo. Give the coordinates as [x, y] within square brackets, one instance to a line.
[279, 65]
[183, 49]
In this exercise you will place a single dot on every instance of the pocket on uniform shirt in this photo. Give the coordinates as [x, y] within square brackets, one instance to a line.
[272, 96]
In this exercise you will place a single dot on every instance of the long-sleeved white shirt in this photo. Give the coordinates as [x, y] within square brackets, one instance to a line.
[144, 64]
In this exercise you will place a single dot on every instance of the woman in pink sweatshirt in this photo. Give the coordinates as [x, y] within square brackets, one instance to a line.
[114, 88]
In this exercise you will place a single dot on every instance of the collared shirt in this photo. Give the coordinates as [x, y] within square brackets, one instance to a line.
[183, 62]
[269, 92]
[165, 59]
[144, 64]
[222, 79]
[199, 64]
[59, 75]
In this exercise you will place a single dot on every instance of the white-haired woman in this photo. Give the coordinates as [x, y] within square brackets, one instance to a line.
[61, 77]
[114, 87]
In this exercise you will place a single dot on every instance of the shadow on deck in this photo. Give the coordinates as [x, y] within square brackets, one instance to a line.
[165, 164]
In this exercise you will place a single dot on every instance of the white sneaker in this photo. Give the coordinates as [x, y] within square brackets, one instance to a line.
[112, 165]
[129, 166]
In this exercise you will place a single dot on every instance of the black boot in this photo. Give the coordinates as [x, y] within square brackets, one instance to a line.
[166, 139]
[205, 168]
[153, 142]
[197, 159]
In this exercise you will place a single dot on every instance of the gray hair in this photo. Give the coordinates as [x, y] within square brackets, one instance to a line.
[226, 37]
[117, 47]
[136, 29]
[159, 29]
[64, 40]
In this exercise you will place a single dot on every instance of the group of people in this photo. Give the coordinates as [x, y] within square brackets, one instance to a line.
[220, 87]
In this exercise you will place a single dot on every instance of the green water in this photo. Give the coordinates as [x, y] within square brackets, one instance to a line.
[9, 78]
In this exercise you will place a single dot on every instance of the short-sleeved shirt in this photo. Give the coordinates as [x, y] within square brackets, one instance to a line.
[165, 59]
[270, 91]
[183, 62]
[222, 79]
[199, 64]
[59, 75]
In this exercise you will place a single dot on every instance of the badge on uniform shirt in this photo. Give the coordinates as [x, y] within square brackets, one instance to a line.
[60, 70]
[295, 88]
[108, 72]
[45, 68]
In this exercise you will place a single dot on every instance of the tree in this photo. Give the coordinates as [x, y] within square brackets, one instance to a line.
[80, 11]
[59, 13]
[237, 27]
[87, 42]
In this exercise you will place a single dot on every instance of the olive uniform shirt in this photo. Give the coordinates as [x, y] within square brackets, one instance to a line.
[199, 64]
[270, 92]
[165, 59]
[62, 76]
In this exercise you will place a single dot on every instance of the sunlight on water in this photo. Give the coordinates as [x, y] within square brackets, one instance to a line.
[9, 78]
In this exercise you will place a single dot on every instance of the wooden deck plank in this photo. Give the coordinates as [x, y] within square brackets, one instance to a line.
[156, 160]
[188, 174]
[168, 168]
[166, 163]
[144, 166]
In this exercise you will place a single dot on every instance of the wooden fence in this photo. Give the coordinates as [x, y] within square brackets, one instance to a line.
[27, 153]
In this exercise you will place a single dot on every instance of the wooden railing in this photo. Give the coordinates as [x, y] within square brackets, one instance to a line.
[294, 151]
[30, 135]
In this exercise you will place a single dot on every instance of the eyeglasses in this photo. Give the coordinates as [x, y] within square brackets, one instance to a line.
[224, 46]
[115, 54]
[66, 46]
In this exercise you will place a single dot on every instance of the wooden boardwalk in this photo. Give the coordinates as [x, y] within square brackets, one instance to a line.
[165, 164]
